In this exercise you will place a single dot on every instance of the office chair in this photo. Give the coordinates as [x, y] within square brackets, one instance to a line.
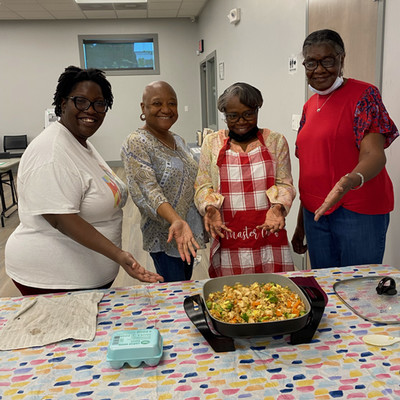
[14, 143]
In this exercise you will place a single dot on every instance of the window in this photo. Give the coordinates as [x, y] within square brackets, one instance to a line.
[120, 54]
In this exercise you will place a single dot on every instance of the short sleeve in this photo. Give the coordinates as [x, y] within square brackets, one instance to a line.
[372, 116]
[52, 188]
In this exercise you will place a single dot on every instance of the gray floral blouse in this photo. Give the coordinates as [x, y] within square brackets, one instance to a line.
[157, 174]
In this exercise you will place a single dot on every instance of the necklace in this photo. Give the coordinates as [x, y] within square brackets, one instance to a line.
[172, 147]
[318, 107]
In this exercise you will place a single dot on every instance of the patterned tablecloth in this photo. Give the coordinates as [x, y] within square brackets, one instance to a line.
[336, 365]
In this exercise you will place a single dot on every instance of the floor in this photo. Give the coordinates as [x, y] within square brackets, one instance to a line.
[131, 241]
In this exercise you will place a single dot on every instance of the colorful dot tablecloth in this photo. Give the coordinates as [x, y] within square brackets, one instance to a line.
[336, 365]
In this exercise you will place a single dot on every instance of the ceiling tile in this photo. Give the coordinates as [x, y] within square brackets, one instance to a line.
[131, 14]
[35, 15]
[9, 15]
[100, 14]
[67, 9]
[168, 5]
[162, 13]
[68, 14]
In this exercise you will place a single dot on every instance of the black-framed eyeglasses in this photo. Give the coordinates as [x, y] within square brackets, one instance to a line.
[247, 116]
[83, 104]
[327, 62]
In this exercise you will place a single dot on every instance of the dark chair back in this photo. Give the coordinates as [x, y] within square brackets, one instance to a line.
[14, 144]
[5, 155]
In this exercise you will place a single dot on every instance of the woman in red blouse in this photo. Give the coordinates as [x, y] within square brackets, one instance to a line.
[346, 194]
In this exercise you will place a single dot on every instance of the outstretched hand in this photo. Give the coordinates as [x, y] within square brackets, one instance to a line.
[274, 220]
[213, 222]
[183, 235]
[135, 270]
[337, 192]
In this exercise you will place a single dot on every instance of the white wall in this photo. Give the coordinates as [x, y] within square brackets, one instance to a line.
[390, 94]
[35, 53]
[257, 51]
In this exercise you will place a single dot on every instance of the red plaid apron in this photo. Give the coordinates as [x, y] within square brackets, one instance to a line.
[244, 178]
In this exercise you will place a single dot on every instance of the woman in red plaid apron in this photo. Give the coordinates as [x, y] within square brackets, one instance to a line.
[244, 190]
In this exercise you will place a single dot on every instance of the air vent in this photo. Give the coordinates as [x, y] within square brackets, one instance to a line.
[104, 5]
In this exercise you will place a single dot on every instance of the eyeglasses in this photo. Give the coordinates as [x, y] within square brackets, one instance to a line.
[327, 62]
[83, 104]
[247, 116]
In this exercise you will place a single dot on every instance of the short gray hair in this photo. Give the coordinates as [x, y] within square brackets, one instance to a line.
[324, 36]
[247, 94]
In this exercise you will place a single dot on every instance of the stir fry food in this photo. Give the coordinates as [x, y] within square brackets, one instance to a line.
[259, 302]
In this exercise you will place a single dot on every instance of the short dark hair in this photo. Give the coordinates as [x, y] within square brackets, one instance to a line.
[324, 36]
[73, 75]
[247, 94]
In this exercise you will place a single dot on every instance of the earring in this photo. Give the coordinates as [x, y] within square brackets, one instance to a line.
[142, 117]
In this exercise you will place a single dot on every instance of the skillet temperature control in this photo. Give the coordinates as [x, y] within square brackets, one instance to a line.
[386, 286]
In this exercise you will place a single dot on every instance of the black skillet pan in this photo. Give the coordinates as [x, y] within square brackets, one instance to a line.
[259, 328]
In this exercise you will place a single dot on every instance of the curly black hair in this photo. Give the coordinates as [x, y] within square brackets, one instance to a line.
[73, 75]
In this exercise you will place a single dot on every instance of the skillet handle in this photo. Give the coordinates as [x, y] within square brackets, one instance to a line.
[219, 343]
[317, 302]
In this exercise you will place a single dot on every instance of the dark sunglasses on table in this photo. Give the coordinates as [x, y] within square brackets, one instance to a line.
[327, 62]
[247, 116]
[83, 104]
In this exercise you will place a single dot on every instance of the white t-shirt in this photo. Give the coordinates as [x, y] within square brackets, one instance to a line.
[57, 175]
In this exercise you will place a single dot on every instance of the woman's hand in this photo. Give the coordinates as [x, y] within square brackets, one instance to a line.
[213, 222]
[135, 270]
[274, 220]
[337, 192]
[180, 231]
[183, 235]
[371, 161]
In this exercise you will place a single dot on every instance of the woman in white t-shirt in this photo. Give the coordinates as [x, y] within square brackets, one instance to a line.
[70, 201]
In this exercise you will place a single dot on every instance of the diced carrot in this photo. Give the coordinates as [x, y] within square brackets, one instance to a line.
[256, 303]
[298, 302]
[278, 313]
[296, 312]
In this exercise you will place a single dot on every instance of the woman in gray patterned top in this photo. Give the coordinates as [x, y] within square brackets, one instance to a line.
[161, 171]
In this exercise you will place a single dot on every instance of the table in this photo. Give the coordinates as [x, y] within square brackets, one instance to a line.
[6, 166]
[336, 365]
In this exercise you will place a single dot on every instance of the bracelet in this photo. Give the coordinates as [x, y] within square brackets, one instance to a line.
[362, 180]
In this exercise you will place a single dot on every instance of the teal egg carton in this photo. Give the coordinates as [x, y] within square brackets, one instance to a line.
[134, 347]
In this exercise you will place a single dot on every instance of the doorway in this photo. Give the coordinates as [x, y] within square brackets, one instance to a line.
[208, 90]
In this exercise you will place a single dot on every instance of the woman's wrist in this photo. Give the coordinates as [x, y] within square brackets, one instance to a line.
[207, 207]
[360, 178]
[280, 207]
